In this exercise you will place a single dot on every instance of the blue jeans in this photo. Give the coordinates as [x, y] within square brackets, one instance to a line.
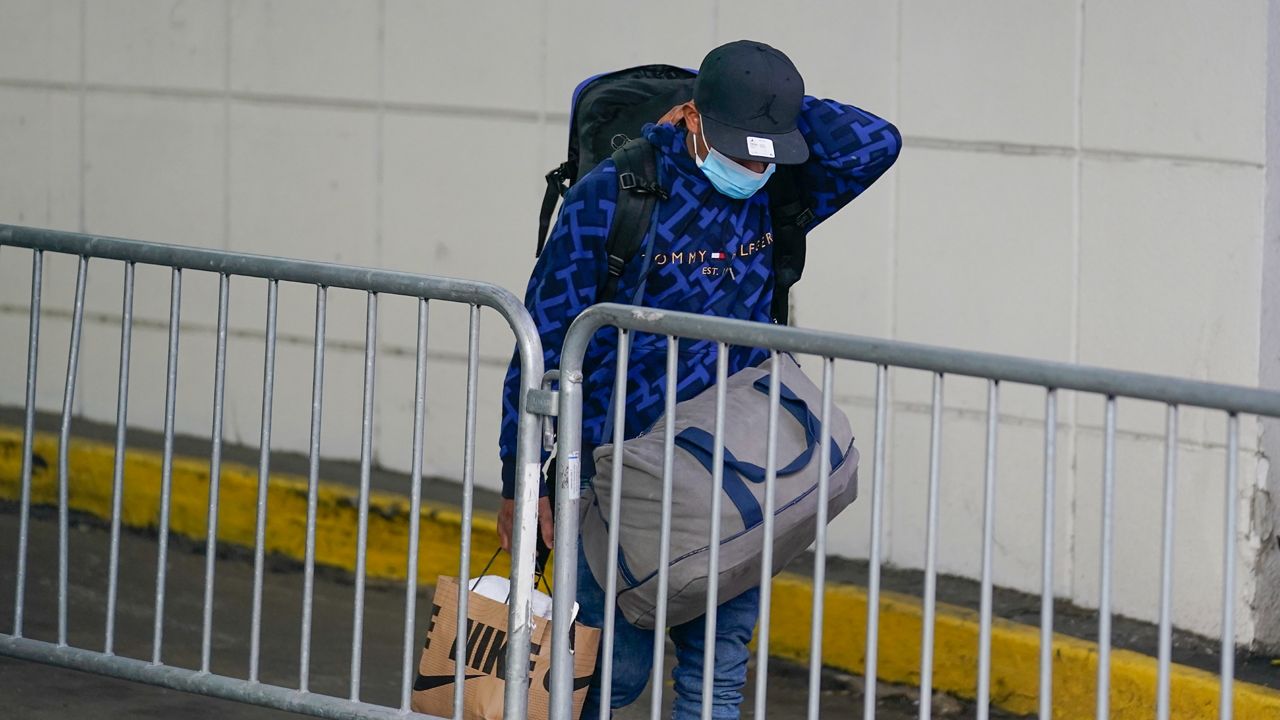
[633, 654]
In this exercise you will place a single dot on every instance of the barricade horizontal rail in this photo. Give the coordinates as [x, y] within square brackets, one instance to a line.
[273, 268]
[176, 678]
[1045, 373]
[884, 354]
[91, 250]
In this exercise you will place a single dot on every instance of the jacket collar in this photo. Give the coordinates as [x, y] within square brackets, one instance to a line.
[670, 142]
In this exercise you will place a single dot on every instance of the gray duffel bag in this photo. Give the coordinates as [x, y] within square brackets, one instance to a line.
[741, 509]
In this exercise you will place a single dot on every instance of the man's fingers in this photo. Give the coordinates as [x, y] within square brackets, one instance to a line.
[546, 519]
[505, 516]
[548, 533]
[674, 115]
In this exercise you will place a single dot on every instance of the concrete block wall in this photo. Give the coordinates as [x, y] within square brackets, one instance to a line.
[1082, 181]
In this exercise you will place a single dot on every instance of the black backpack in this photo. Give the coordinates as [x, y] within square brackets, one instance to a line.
[607, 115]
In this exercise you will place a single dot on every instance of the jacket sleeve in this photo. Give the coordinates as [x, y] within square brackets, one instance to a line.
[564, 282]
[849, 150]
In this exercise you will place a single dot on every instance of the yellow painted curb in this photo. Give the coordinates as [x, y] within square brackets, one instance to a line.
[1015, 657]
[1015, 647]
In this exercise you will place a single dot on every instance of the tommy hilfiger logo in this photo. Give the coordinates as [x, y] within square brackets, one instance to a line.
[699, 257]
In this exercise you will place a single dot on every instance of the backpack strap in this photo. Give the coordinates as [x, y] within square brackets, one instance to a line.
[638, 195]
[557, 183]
[791, 217]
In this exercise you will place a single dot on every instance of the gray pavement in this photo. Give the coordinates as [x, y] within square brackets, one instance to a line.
[39, 692]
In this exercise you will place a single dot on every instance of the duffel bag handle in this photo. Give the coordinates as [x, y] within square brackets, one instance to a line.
[700, 444]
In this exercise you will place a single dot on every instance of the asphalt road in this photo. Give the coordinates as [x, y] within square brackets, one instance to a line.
[39, 692]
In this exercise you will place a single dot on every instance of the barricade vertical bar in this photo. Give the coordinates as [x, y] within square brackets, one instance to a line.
[64, 443]
[931, 554]
[1046, 560]
[568, 492]
[366, 464]
[117, 472]
[988, 538]
[615, 515]
[1228, 651]
[713, 537]
[468, 499]
[166, 471]
[215, 470]
[1104, 601]
[664, 544]
[877, 510]
[820, 544]
[313, 485]
[415, 506]
[264, 477]
[766, 556]
[1165, 651]
[515, 698]
[28, 436]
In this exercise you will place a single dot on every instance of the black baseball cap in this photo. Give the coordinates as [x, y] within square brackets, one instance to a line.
[749, 96]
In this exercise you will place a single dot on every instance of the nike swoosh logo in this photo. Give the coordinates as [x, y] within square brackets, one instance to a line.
[578, 682]
[431, 682]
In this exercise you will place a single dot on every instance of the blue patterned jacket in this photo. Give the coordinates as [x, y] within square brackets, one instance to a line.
[704, 253]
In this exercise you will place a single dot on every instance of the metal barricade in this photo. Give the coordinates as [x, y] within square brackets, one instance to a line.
[322, 276]
[940, 362]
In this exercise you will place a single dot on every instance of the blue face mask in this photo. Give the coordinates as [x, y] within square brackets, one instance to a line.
[728, 176]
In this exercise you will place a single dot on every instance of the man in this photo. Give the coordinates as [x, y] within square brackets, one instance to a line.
[708, 251]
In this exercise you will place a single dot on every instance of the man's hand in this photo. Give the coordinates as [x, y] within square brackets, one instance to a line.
[677, 114]
[506, 517]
